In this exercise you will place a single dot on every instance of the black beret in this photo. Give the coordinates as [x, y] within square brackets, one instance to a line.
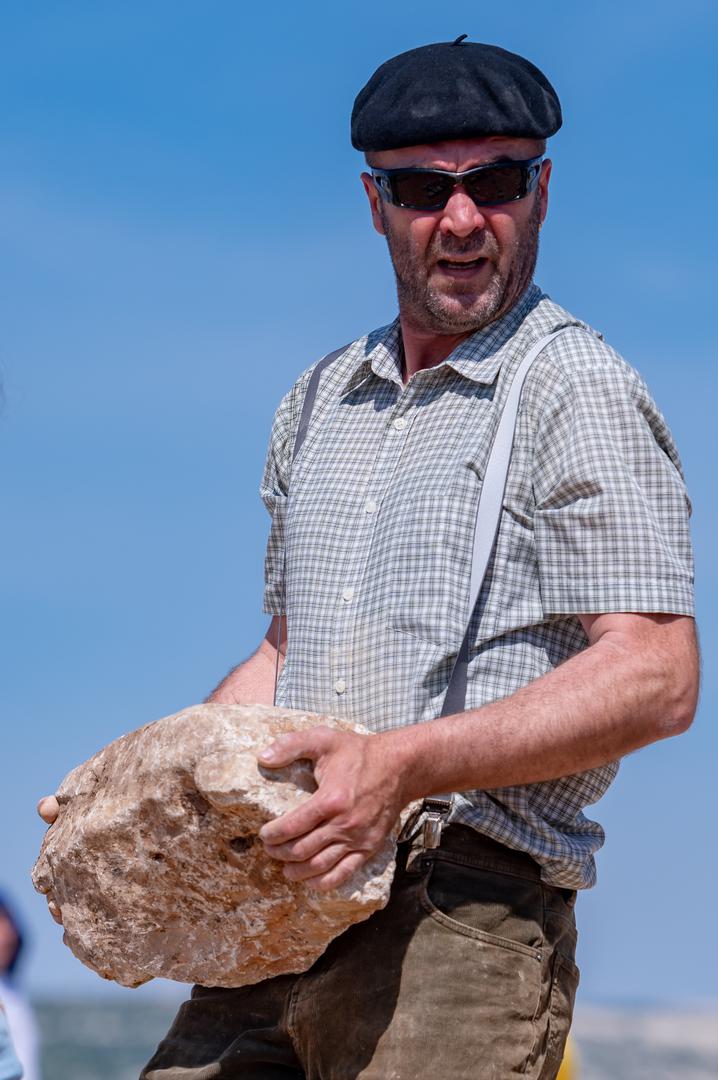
[453, 90]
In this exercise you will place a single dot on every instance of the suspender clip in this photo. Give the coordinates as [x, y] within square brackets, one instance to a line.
[437, 810]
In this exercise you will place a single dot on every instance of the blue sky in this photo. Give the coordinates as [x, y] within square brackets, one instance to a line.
[182, 231]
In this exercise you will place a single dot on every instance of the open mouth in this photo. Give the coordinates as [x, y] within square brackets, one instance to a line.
[461, 267]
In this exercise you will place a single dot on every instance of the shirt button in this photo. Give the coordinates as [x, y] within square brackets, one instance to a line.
[348, 593]
[370, 506]
[340, 686]
[400, 423]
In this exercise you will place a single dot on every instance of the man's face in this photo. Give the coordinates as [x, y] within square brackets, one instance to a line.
[462, 267]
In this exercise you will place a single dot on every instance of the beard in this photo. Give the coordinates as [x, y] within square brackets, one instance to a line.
[457, 307]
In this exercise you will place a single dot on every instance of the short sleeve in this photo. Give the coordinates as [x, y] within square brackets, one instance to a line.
[611, 524]
[274, 489]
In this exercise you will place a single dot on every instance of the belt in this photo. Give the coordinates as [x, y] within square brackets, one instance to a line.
[463, 840]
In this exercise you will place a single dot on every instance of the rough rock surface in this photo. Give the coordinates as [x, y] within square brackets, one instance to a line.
[155, 863]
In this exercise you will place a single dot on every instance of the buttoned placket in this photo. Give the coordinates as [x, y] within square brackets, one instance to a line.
[396, 428]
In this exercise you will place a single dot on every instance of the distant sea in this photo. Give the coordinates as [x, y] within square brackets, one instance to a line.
[112, 1040]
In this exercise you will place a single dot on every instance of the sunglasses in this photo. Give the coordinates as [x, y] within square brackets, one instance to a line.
[431, 189]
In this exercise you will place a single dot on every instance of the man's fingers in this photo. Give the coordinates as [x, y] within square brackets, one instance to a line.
[318, 865]
[54, 911]
[296, 823]
[304, 848]
[48, 808]
[299, 744]
[339, 873]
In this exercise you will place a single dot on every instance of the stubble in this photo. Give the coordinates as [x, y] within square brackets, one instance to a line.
[457, 308]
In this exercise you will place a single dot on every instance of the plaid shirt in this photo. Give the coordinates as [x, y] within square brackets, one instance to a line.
[370, 554]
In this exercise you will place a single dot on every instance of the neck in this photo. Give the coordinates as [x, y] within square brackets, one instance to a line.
[424, 349]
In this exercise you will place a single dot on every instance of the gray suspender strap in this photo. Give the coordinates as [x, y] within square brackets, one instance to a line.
[310, 395]
[488, 514]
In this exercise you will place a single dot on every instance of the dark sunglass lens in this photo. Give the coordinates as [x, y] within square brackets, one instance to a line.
[422, 189]
[497, 185]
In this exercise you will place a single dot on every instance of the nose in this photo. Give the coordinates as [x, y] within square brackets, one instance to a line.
[461, 216]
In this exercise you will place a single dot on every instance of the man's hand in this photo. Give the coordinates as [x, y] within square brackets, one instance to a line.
[48, 808]
[355, 807]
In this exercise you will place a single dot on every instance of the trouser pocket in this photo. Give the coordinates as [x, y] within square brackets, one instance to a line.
[504, 909]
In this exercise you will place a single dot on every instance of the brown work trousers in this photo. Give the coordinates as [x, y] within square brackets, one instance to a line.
[467, 974]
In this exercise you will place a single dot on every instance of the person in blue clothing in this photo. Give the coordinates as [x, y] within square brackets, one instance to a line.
[18, 1016]
[10, 1067]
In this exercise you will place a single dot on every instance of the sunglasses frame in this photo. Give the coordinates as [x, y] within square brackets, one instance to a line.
[384, 181]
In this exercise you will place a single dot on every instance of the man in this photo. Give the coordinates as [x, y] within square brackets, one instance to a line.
[581, 647]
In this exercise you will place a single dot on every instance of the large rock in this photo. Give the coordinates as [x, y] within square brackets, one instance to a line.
[155, 863]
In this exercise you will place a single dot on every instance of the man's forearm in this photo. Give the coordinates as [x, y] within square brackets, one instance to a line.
[252, 682]
[608, 700]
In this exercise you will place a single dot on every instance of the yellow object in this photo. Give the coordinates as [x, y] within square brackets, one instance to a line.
[569, 1065]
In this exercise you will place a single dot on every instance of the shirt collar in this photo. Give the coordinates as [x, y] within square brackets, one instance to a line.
[478, 358]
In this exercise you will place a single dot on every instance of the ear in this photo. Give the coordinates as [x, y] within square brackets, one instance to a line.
[373, 196]
[543, 183]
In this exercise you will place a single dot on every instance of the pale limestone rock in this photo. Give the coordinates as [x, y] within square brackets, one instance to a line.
[155, 864]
